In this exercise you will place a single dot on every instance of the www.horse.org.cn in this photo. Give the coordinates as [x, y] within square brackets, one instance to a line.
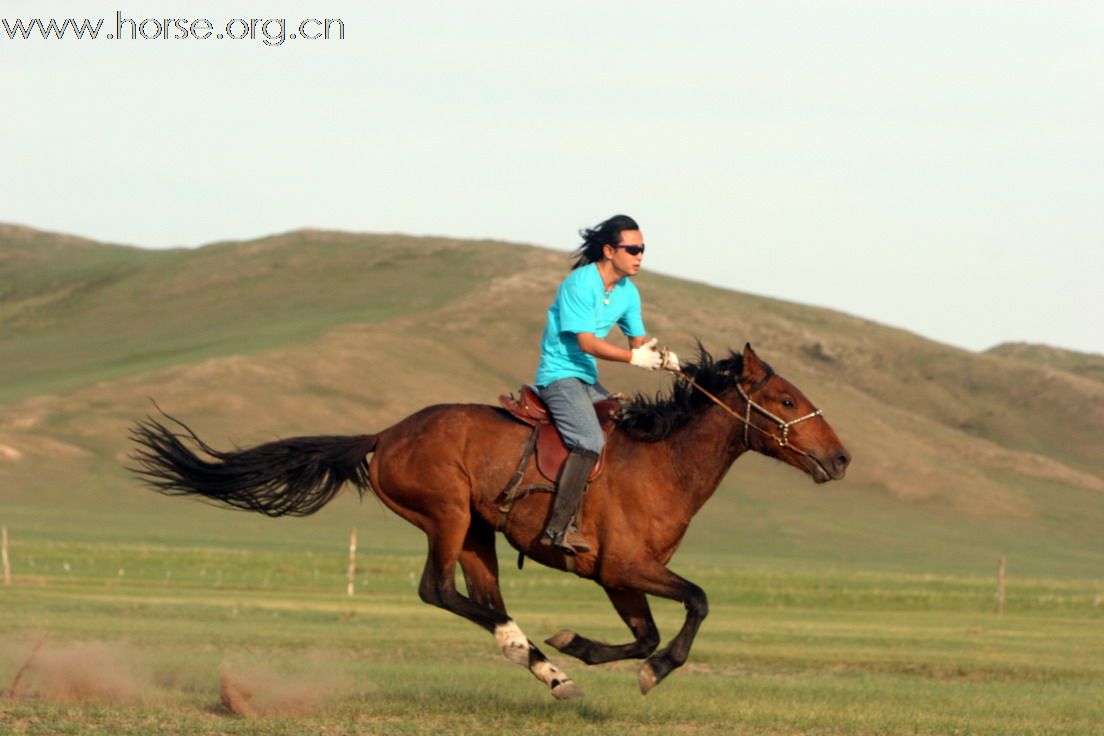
[270, 31]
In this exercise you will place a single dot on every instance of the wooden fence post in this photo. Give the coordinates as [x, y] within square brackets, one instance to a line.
[1000, 587]
[4, 555]
[352, 563]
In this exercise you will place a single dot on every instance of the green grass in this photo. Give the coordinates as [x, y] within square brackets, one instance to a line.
[866, 625]
[843, 652]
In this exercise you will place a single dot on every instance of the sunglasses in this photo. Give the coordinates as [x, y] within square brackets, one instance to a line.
[632, 250]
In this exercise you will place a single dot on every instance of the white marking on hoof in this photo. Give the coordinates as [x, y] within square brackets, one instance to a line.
[647, 679]
[556, 679]
[560, 639]
[514, 644]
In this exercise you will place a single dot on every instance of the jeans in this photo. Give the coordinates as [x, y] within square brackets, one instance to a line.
[571, 402]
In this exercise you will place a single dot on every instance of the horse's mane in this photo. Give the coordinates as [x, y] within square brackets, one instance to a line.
[654, 419]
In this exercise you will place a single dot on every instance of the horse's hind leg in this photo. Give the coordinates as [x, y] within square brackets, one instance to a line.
[479, 564]
[632, 605]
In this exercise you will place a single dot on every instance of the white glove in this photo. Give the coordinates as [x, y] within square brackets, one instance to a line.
[670, 362]
[646, 356]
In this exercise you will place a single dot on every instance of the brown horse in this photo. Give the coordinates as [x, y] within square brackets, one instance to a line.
[444, 469]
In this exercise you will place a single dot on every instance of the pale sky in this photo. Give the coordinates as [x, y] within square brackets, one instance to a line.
[936, 166]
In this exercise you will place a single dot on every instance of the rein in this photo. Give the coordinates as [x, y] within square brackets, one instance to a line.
[783, 426]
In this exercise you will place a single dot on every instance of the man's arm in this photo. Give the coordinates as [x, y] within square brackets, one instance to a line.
[591, 344]
[643, 354]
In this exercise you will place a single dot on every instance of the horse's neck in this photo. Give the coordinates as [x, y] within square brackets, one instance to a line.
[702, 452]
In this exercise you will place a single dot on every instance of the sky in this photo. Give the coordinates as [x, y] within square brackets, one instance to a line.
[936, 166]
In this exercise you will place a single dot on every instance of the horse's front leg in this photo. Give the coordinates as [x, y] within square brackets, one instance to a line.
[655, 579]
[632, 605]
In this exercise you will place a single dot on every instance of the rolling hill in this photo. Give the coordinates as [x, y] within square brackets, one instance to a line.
[1071, 361]
[959, 457]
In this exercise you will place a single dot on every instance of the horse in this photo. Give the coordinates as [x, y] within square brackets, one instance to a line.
[444, 469]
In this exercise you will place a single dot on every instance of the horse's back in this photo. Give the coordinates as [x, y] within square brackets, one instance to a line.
[444, 453]
[452, 426]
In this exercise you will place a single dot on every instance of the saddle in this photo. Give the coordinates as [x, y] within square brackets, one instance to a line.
[529, 409]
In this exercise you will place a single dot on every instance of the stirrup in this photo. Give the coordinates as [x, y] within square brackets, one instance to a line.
[572, 543]
[569, 542]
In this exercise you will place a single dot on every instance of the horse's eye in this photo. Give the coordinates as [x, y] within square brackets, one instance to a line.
[788, 404]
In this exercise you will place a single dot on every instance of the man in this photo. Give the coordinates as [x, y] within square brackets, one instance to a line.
[596, 295]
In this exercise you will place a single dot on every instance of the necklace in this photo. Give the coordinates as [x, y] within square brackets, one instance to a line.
[608, 289]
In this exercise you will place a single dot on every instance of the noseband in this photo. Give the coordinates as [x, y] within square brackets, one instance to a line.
[783, 426]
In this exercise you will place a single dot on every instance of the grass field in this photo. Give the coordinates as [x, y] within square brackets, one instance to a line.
[134, 637]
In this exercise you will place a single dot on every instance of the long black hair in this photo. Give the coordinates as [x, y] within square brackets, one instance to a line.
[595, 239]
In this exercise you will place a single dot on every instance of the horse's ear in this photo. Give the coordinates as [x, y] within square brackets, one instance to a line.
[754, 369]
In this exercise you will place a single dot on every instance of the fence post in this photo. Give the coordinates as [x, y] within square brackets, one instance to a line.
[1000, 587]
[352, 562]
[4, 555]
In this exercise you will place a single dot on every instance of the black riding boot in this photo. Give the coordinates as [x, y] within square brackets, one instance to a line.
[560, 532]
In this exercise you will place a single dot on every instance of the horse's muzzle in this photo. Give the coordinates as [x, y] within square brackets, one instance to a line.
[832, 466]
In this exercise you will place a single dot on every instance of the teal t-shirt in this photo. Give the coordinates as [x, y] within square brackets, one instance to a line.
[582, 305]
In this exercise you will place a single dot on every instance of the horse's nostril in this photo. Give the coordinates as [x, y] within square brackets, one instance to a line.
[842, 460]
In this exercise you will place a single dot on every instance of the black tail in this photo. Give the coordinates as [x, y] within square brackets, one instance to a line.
[292, 477]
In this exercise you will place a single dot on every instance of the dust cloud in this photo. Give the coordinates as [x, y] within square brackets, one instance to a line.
[35, 668]
[92, 672]
[255, 688]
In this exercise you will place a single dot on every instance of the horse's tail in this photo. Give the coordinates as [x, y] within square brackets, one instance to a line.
[292, 477]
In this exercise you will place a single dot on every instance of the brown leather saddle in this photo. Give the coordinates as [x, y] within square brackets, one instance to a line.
[551, 452]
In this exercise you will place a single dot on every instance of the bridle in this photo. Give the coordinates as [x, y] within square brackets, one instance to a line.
[783, 426]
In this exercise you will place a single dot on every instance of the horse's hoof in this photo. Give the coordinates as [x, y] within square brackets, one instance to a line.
[560, 639]
[567, 690]
[648, 679]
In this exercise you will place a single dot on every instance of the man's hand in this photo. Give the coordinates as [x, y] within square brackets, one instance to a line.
[646, 356]
[670, 361]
